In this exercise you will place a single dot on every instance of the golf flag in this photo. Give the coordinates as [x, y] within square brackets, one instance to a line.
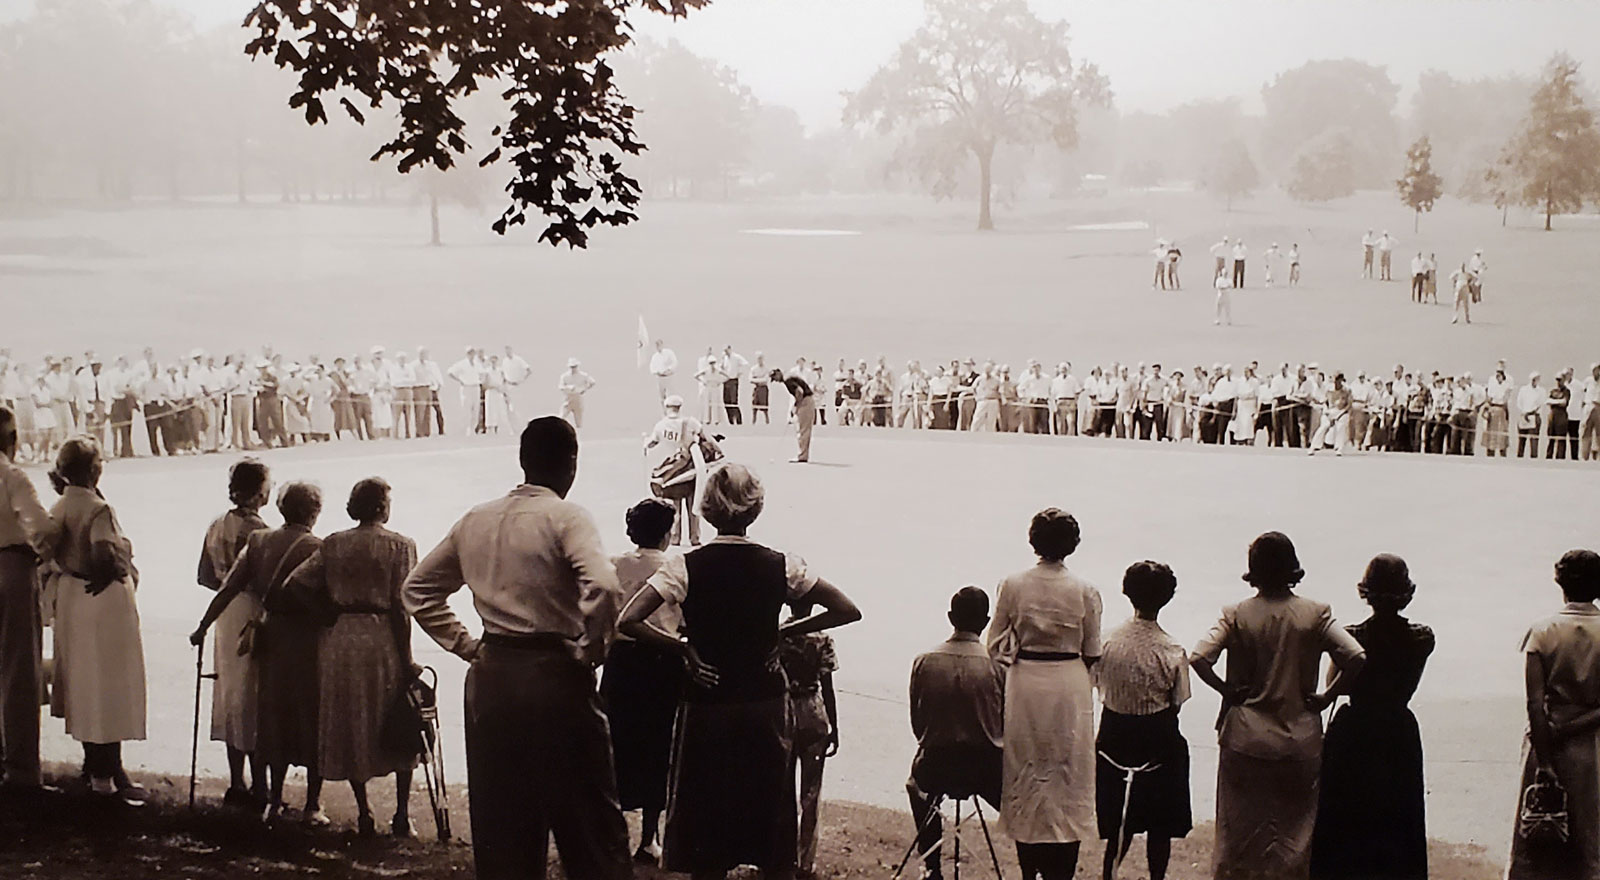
[643, 344]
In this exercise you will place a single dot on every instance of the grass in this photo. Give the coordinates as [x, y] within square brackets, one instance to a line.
[75, 837]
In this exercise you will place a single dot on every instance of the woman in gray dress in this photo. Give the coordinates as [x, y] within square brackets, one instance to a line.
[364, 659]
[1047, 625]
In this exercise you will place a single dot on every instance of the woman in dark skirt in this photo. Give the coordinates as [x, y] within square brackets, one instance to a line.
[1142, 768]
[732, 796]
[643, 683]
[1370, 819]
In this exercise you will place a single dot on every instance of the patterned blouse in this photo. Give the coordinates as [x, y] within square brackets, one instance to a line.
[1143, 671]
[805, 660]
[358, 570]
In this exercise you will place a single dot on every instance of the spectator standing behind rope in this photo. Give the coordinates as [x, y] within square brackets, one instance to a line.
[732, 800]
[364, 658]
[1563, 740]
[99, 685]
[1047, 626]
[234, 701]
[538, 751]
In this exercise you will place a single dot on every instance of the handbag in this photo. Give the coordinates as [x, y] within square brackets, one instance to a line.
[1542, 814]
[253, 636]
[405, 731]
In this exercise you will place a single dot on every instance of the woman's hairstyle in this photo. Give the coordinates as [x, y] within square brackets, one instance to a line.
[1387, 584]
[247, 480]
[77, 464]
[1578, 573]
[369, 501]
[1054, 534]
[650, 521]
[300, 503]
[1149, 585]
[733, 498]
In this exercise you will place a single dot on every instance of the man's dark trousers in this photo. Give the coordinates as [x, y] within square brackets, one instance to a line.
[539, 763]
[21, 665]
[957, 772]
[730, 400]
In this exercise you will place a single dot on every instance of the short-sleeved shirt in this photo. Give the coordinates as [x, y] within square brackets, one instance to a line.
[1049, 609]
[1274, 646]
[806, 659]
[1568, 643]
[634, 569]
[1142, 670]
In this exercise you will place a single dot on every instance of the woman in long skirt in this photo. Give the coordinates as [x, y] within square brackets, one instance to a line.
[1270, 731]
[99, 654]
[233, 699]
[1050, 618]
[643, 683]
[1563, 741]
[320, 390]
[1371, 819]
[364, 659]
[732, 800]
[496, 407]
[284, 646]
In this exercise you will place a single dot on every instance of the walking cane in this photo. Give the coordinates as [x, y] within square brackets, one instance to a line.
[194, 746]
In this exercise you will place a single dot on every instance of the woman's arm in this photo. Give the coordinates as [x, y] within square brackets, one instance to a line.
[830, 701]
[1540, 731]
[238, 577]
[1206, 671]
[1582, 724]
[839, 611]
[1339, 678]
[635, 624]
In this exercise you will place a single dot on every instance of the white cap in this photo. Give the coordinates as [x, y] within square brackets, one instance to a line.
[572, 362]
[377, 349]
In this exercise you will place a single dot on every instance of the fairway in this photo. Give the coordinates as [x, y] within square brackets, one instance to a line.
[897, 519]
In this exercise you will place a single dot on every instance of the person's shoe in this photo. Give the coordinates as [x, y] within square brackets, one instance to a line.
[365, 827]
[103, 787]
[271, 813]
[240, 798]
[133, 795]
[316, 819]
[401, 827]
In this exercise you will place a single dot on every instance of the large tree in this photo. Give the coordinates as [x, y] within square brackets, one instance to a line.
[1556, 155]
[1325, 168]
[1304, 104]
[695, 114]
[1466, 121]
[976, 75]
[1419, 187]
[566, 126]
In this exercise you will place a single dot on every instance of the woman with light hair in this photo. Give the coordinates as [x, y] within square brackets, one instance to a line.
[99, 654]
[732, 793]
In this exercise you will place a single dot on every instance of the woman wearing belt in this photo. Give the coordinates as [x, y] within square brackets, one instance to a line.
[99, 655]
[364, 659]
[1047, 622]
[733, 799]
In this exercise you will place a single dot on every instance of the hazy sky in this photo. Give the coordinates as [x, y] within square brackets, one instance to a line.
[1157, 53]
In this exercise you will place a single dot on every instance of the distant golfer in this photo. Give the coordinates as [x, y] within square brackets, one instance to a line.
[1239, 254]
[1386, 243]
[1224, 300]
[805, 412]
[1269, 259]
[1294, 264]
[573, 385]
[1219, 252]
[1461, 280]
[1368, 242]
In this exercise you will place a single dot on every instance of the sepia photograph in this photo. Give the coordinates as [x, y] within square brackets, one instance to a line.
[799, 439]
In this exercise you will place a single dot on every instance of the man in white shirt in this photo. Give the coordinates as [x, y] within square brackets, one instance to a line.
[1034, 389]
[1064, 391]
[1368, 242]
[1475, 269]
[663, 364]
[1281, 389]
[1224, 299]
[1224, 396]
[1239, 253]
[1531, 400]
[1220, 252]
[708, 373]
[515, 371]
[426, 394]
[468, 373]
[1269, 259]
[1360, 410]
[733, 366]
[760, 389]
[1589, 437]
[403, 378]
[1419, 276]
[1152, 415]
[1386, 243]
[573, 385]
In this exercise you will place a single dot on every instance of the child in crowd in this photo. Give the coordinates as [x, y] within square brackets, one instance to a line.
[809, 663]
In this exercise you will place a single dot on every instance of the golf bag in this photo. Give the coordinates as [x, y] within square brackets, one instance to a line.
[679, 468]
